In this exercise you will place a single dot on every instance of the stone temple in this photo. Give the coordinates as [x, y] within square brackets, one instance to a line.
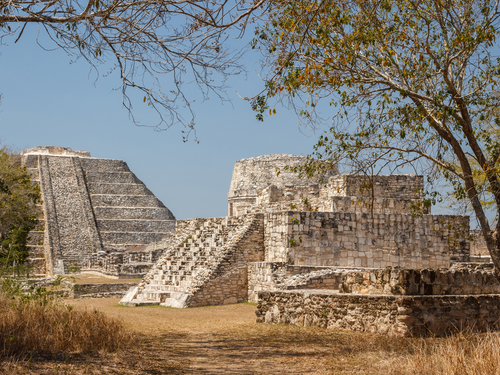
[337, 251]
[93, 209]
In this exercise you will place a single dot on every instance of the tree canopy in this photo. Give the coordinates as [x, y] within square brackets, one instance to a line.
[409, 82]
[18, 210]
[155, 46]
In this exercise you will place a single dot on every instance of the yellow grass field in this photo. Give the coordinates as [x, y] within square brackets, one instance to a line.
[226, 340]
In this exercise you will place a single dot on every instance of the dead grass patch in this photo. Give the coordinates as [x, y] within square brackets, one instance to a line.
[463, 353]
[226, 340]
[48, 326]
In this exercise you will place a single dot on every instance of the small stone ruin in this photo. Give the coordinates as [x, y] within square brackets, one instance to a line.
[336, 251]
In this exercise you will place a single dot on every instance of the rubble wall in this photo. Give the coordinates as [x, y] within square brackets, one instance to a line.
[365, 240]
[252, 174]
[270, 276]
[383, 186]
[389, 315]
[442, 281]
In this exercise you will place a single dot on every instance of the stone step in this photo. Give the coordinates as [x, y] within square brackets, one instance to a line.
[138, 303]
[37, 266]
[35, 237]
[104, 165]
[120, 189]
[177, 272]
[36, 251]
[134, 225]
[115, 200]
[133, 213]
[156, 289]
[131, 238]
[112, 177]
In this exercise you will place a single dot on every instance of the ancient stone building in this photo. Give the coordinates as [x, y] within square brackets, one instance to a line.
[93, 210]
[338, 251]
[251, 176]
[282, 230]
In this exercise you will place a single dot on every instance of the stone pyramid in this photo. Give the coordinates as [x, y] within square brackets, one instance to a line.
[90, 206]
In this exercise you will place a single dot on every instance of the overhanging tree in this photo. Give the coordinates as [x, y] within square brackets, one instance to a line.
[144, 40]
[410, 81]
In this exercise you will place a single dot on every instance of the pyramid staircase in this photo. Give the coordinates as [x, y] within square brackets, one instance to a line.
[126, 212]
[92, 208]
[205, 265]
[36, 238]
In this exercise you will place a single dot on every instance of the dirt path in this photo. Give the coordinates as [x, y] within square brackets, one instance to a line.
[226, 340]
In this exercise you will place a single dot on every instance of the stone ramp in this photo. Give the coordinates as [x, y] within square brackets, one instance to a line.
[204, 266]
[36, 238]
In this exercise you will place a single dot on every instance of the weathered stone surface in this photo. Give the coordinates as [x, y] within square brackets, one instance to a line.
[420, 282]
[289, 244]
[365, 240]
[205, 264]
[253, 174]
[269, 276]
[116, 290]
[389, 315]
[86, 210]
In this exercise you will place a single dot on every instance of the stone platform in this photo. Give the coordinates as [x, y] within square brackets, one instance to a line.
[421, 315]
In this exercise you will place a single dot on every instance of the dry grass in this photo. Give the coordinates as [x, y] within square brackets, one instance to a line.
[48, 327]
[464, 354]
[226, 340]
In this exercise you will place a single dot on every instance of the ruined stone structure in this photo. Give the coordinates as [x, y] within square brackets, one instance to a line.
[337, 251]
[252, 176]
[401, 302]
[285, 233]
[92, 208]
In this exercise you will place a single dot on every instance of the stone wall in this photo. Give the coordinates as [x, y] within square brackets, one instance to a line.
[390, 315]
[383, 186]
[121, 264]
[117, 290]
[229, 282]
[400, 194]
[478, 244]
[318, 198]
[207, 267]
[270, 276]
[253, 174]
[442, 281]
[365, 240]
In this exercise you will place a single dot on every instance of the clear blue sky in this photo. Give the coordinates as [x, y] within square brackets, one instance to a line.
[47, 100]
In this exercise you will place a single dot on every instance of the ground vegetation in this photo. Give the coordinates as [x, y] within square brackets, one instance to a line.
[226, 340]
[18, 209]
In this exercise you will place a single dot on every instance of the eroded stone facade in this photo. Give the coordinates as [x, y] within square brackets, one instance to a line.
[335, 251]
[91, 208]
[287, 233]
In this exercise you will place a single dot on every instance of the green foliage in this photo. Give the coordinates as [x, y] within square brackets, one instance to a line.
[18, 211]
[411, 83]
